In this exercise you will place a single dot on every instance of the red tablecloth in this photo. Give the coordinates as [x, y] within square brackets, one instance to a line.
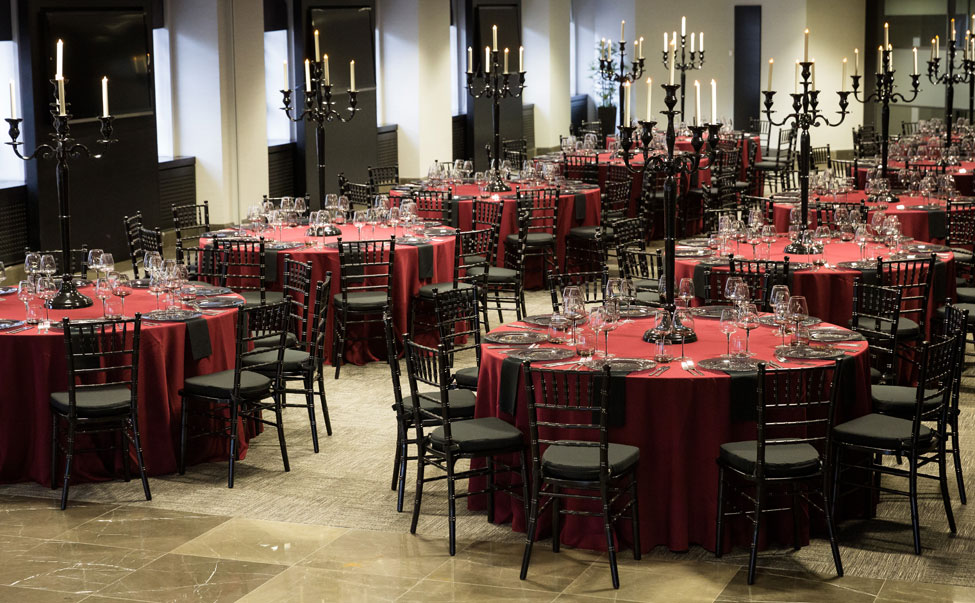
[678, 421]
[964, 174]
[915, 223]
[684, 144]
[33, 365]
[829, 291]
[406, 279]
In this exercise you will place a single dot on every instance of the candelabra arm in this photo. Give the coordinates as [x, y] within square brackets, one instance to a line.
[769, 100]
[844, 104]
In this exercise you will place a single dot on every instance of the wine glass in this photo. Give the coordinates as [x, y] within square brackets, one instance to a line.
[151, 261]
[48, 266]
[157, 284]
[685, 291]
[359, 220]
[574, 305]
[861, 237]
[121, 287]
[748, 321]
[731, 288]
[108, 263]
[32, 262]
[683, 320]
[393, 218]
[103, 290]
[627, 297]
[95, 260]
[26, 289]
[47, 289]
[822, 235]
[662, 328]
[798, 309]
[729, 326]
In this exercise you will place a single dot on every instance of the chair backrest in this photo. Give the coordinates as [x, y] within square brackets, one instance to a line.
[935, 382]
[472, 249]
[202, 263]
[366, 267]
[876, 312]
[960, 225]
[795, 406]
[297, 287]
[191, 220]
[568, 408]
[761, 276]
[618, 173]
[914, 278]
[319, 326]
[517, 144]
[592, 284]
[241, 265]
[152, 240]
[458, 321]
[381, 178]
[628, 232]
[826, 211]
[955, 325]
[909, 127]
[579, 166]
[101, 354]
[715, 278]
[392, 358]
[431, 367]
[820, 156]
[615, 204]
[359, 195]
[844, 167]
[269, 323]
[640, 263]
[515, 154]
[487, 215]
[434, 204]
[133, 236]
[539, 209]
[79, 260]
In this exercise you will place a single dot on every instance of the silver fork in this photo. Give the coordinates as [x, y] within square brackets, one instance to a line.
[688, 365]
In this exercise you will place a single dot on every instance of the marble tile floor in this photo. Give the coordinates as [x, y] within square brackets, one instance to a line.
[102, 553]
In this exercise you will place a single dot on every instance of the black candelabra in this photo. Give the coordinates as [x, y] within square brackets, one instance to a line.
[63, 148]
[675, 166]
[686, 63]
[953, 74]
[496, 85]
[609, 72]
[884, 95]
[805, 115]
[319, 110]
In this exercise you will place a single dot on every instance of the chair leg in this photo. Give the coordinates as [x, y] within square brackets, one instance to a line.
[123, 444]
[68, 457]
[796, 516]
[608, 529]
[943, 479]
[181, 465]
[556, 519]
[418, 492]
[310, 403]
[719, 522]
[137, 443]
[834, 547]
[54, 450]
[233, 443]
[956, 453]
[753, 555]
[401, 485]
[530, 531]
[915, 521]
[323, 401]
[279, 423]
[490, 487]
[396, 455]
[451, 505]
[834, 493]
[635, 516]
[338, 342]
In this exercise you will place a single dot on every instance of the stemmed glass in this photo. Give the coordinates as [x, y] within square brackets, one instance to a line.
[685, 318]
[748, 321]
[731, 290]
[26, 289]
[157, 284]
[32, 263]
[822, 235]
[393, 218]
[151, 261]
[121, 287]
[573, 307]
[769, 236]
[662, 328]
[779, 297]
[108, 263]
[48, 266]
[627, 297]
[95, 260]
[685, 291]
[103, 290]
[729, 318]
[359, 220]
[798, 310]
[861, 238]
[47, 289]
[186, 291]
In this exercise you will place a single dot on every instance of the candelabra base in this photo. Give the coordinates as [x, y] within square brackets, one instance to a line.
[68, 297]
[498, 186]
[688, 335]
[800, 249]
[329, 231]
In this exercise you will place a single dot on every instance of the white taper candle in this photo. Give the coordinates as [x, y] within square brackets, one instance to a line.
[105, 96]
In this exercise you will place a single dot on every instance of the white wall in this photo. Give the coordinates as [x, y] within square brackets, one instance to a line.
[545, 25]
[11, 168]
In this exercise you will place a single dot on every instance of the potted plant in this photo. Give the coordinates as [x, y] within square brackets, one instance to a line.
[605, 90]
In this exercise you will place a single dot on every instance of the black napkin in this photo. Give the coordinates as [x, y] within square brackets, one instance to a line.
[699, 283]
[617, 396]
[424, 258]
[270, 265]
[508, 395]
[198, 338]
[936, 224]
[580, 206]
[452, 213]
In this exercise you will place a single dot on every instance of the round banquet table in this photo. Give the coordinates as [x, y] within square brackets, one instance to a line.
[683, 143]
[678, 420]
[579, 205]
[33, 365]
[964, 174]
[438, 265]
[828, 291]
[919, 217]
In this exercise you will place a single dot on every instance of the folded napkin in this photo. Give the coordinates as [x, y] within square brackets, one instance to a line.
[198, 338]
[424, 257]
[270, 265]
[936, 223]
[580, 206]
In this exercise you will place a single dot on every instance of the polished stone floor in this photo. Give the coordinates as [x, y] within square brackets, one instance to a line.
[99, 553]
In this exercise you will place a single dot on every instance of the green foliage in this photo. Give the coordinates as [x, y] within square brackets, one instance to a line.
[605, 89]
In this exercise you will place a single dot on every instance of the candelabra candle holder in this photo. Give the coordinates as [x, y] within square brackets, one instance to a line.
[62, 149]
[805, 115]
[884, 95]
[953, 74]
[490, 82]
[319, 110]
[608, 72]
[689, 60]
[674, 166]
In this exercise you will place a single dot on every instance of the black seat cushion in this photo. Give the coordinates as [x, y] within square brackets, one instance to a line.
[221, 385]
[907, 329]
[767, 164]
[363, 301]
[645, 284]
[105, 401]
[880, 431]
[426, 291]
[495, 274]
[590, 232]
[480, 435]
[467, 377]
[294, 360]
[961, 256]
[966, 295]
[647, 297]
[781, 460]
[533, 239]
[582, 462]
[875, 375]
[940, 313]
[290, 340]
[460, 402]
[899, 400]
[253, 298]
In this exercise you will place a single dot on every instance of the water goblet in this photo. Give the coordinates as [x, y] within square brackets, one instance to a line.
[103, 290]
[729, 326]
[748, 321]
[121, 287]
[47, 289]
[798, 310]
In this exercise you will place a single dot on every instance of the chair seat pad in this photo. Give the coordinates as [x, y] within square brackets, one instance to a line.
[962, 256]
[495, 274]
[875, 375]
[426, 291]
[582, 462]
[648, 297]
[962, 307]
[899, 400]
[966, 295]
[480, 435]
[104, 401]
[767, 164]
[290, 340]
[253, 298]
[533, 239]
[591, 232]
[467, 377]
[221, 385]
[645, 284]
[880, 431]
[907, 328]
[363, 301]
[295, 361]
[461, 403]
[781, 460]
